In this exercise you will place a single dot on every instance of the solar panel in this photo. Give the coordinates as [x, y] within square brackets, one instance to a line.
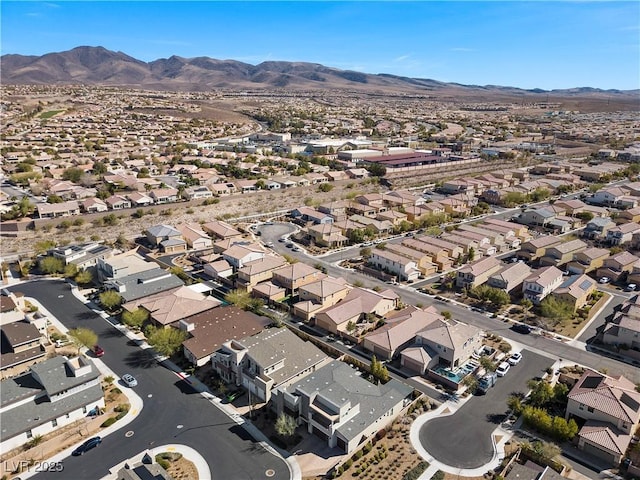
[629, 402]
[591, 382]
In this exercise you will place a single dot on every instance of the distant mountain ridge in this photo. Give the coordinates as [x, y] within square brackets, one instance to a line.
[99, 66]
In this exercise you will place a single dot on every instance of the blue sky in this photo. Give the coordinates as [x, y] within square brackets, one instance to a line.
[523, 44]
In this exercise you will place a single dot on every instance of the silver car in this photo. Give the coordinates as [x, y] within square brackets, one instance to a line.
[129, 380]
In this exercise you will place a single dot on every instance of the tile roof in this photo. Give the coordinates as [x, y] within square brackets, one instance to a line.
[616, 397]
[401, 329]
[170, 307]
[603, 435]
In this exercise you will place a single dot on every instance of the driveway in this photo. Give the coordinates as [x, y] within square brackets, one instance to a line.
[463, 440]
[173, 412]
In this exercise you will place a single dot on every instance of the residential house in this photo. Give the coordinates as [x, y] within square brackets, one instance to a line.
[541, 283]
[510, 277]
[139, 199]
[308, 214]
[624, 329]
[399, 331]
[164, 195]
[597, 228]
[261, 363]
[94, 205]
[540, 217]
[608, 408]
[269, 292]
[453, 250]
[239, 255]
[21, 345]
[296, 275]
[616, 266]
[218, 269]
[259, 270]
[575, 290]
[354, 306]
[209, 330]
[118, 202]
[53, 394]
[118, 266]
[11, 308]
[478, 272]
[563, 253]
[611, 196]
[622, 233]
[426, 262]
[588, 260]
[83, 255]
[452, 342]
[223, 189]
[471, 240]
[142, 284]
[220, 230]
[319, 295]
[454, 206]
[327, 235]
[402, 267]
[196, 238]
[630, 215]
[169, 307]
[197, 192]
[497, 239]
[340, 406]
[55, 210]
[167, 238]
[520, 231]
[246, 186]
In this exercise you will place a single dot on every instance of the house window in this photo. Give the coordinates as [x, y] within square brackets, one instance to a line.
[54, 422]
[590, 409]
[29, 434]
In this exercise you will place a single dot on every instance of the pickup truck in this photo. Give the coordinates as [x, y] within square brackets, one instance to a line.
[486, 382]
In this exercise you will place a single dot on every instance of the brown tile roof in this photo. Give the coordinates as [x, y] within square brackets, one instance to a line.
[217, 326]
[616, 397]
[604, 435]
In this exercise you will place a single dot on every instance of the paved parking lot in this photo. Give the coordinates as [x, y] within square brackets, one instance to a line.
[463, 440]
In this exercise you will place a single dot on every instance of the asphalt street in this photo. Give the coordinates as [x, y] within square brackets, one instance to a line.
[463, 439]
[546, 346]
[172, 413]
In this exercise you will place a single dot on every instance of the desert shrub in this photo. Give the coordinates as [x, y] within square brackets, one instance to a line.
[108, 422]
[416, 471]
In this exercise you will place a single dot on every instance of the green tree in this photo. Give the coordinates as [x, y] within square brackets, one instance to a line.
[365, 252]
[285, 425]
[136, 318]
[488, 364]
[51, 265]
[243, 299]
[72, 174]
[110, 299]
[379, 370]
[83, 337]
[541, 392]
[471, 256]
[166, 341]
[377, 170]
[325, 187]
[556, 309]
[351, 326]
[446, 314]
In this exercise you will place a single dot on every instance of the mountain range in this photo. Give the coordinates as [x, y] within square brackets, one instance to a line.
[99, 66]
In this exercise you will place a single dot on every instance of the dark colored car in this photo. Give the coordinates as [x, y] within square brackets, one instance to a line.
[522, 328]
[98, 351]
[86, 446]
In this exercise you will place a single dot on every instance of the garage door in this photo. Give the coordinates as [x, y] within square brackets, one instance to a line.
[320, 433]
[596, 452]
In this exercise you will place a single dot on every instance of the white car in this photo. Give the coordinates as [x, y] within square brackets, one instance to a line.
[515, 358]
[604, 280]
[502, 369]
[129, 380]
[631, 287]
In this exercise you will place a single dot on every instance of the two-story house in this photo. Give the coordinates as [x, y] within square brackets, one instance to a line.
[575, 290]
[261, 363]
[402, 267]
[53, 394]
[535, 249]
[511, 277]
[563, 253]
[541, 283]
[622, 233]
[478, 272]
[608, 408]
[588, 260]
[616, 266]
[340, 406]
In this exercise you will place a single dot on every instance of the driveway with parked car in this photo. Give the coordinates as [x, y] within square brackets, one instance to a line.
[463, 440]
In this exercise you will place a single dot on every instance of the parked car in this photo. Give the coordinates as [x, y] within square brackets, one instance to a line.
[502, 369]
[269, 244]
[515, 358]
[631, 287]
[522, 328]
[98, 351]
[604, 280]
[86, 446]
[281, 240]
[296, 249]
[486, 382]
[129, 380]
